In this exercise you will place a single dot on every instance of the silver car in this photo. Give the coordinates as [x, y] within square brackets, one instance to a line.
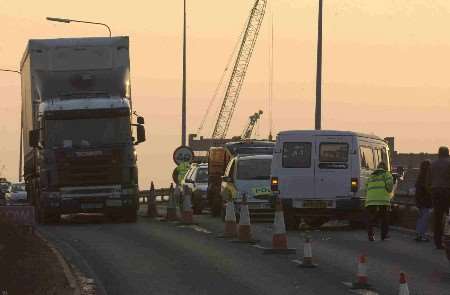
[16, 194]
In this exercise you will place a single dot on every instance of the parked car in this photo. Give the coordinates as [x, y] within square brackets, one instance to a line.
[196, 181]
[16, 194]
[249, 175]
[4, 188]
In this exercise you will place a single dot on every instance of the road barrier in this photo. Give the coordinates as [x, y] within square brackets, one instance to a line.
[21, 215]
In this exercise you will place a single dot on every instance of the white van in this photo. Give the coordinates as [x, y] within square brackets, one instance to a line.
[321, 175]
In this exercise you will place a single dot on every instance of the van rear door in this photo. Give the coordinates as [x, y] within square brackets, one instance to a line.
[333, 167]
[297, 166]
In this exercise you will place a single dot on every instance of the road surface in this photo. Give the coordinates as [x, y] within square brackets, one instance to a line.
[153, 257]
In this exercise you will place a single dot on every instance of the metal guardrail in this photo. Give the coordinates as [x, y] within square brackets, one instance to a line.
[161, 192]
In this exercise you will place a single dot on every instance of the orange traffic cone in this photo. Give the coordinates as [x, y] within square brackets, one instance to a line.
[187, 212]
[362, 281]
[171, 214]
[307, 261]
[403, 289]
[152, 210]
[279, 237]
[230, 220]
[244, 228]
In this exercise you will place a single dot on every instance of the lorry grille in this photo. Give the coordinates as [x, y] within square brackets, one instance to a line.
[84, 168]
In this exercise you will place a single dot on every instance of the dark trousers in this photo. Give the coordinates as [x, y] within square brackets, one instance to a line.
[377, 214]
[441, 203]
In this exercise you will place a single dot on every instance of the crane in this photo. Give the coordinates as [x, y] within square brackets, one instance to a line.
[240, 69]
[253, 120]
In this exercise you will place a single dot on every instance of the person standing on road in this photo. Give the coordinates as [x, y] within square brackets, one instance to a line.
[440, 193]
[378, 200]
[423, 201]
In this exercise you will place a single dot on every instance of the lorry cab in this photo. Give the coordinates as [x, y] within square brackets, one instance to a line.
[321, 175]
[250, 176]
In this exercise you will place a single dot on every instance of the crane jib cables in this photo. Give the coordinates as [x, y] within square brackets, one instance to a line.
[240, 69]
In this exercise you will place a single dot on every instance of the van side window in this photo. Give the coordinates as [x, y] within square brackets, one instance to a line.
[385, 158]
[367, 158]
[297, 155]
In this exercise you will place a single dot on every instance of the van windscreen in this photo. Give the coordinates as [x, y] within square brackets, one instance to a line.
[297, 155]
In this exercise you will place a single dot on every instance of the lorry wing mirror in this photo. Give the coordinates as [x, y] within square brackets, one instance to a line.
[140, 120]
[140, 134]
[33, 138]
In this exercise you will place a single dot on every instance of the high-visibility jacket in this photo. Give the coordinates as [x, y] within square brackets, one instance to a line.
[378, 188]
[182, 169]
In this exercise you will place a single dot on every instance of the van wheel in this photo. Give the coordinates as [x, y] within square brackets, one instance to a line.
[316, 222]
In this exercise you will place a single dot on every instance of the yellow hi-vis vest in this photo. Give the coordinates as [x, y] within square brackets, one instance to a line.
[378, 188]
[182, 169]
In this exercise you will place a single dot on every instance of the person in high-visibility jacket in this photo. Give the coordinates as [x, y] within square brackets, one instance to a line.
[379, 187]
[182, 169]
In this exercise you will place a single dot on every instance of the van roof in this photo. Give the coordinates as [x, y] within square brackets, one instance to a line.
[328, 132]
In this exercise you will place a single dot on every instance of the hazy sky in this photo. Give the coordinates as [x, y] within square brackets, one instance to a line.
[386, 67]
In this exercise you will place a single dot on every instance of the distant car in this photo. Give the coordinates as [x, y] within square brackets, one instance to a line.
[196, 181]
[4, 188]
[16, 194]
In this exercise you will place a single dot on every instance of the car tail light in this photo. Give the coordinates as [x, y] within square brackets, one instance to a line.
[354, 185]
[274, 184]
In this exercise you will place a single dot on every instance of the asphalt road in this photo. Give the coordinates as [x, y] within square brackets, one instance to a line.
[153, 257]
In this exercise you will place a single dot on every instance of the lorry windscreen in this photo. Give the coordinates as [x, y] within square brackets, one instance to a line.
[254, 169]
[87, 132]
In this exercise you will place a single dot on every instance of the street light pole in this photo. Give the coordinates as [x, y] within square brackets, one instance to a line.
[183, 96]
[21, 130]
[318, 123]
[67, 20]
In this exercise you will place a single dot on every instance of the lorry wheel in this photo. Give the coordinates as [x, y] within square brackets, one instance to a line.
[131, 217]
[45, 218]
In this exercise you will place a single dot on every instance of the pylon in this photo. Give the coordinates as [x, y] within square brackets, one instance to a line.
[187, 213]
[171, 214]
[230, 220]
[307, 261]
[403, 288]
[362, 281]
[279, 237]
[152, 210]
[244, 228]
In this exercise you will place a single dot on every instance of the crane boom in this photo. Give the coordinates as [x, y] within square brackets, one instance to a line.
[253, 120]
[240, 69]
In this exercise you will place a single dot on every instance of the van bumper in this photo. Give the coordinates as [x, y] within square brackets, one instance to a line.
[345, 209]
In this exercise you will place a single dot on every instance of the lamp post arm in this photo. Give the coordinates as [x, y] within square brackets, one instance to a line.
[93, 23]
